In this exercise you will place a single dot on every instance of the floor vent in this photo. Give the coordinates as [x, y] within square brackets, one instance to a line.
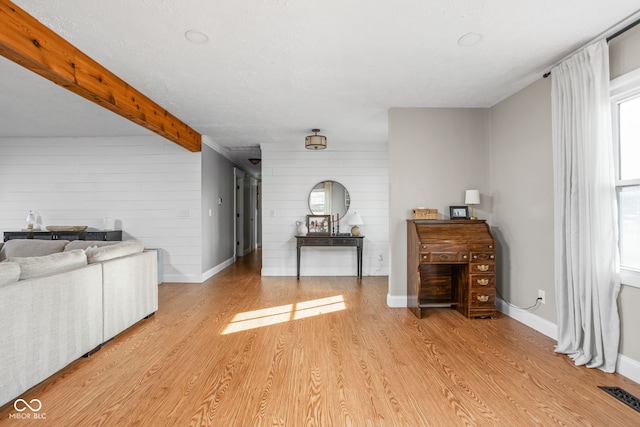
[623, 396]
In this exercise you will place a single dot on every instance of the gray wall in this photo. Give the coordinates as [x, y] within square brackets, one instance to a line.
[624, 53]
[522, 192]
[217, 228]
[434, 156]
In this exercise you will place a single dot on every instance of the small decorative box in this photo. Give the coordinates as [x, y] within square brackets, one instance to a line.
[422, 213]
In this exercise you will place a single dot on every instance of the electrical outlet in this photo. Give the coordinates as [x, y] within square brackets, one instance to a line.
[541, 296]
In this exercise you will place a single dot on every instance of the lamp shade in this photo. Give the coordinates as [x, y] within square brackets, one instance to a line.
[472, 197]
[356, 219]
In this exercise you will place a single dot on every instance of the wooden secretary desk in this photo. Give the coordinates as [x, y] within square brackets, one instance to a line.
[451, 263]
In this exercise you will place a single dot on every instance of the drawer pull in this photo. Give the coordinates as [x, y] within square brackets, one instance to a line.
[490, 246]
[483, 282]
[464, 257]
[475, 257]
[483, 267]
[424, 257]
[483, 298]
[492, 257]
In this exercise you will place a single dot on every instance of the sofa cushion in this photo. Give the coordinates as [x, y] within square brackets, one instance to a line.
[31, 247]
[105, 253]
[84, 244]
[9, 272]
[44, 265]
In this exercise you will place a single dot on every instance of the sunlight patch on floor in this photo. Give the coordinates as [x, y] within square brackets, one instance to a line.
[284, 313]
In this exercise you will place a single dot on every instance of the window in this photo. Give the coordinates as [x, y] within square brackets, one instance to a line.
[625, 92]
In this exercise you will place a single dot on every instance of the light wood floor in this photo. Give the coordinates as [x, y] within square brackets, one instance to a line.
[241, 350]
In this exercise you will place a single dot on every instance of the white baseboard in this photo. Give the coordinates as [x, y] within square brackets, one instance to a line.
[628, 367]
[536, 322]
[315, 272]
[218, 268]
[396, 301]
[198, 278]
[180, 278]
[277, 271]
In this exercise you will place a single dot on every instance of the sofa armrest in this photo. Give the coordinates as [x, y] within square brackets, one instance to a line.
[130, 290]
[47, 323]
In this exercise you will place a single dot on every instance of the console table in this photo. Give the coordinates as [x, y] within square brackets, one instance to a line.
[88, 234]
[334, 241]
[451, 263]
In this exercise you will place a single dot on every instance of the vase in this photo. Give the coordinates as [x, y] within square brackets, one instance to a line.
[302, 229]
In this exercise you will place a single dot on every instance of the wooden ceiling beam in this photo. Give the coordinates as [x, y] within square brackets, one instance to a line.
[27, 42]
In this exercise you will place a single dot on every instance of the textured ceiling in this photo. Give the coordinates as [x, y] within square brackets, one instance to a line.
[274, 69]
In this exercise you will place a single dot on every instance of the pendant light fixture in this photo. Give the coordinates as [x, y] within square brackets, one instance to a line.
[315, 142]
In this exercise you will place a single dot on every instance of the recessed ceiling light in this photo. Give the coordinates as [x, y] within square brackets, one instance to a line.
[469, 40]
[195, 36]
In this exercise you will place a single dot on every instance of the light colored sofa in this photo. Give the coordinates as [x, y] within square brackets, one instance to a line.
[60, 300]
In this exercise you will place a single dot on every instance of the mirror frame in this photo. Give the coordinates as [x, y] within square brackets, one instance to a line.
[347, 197]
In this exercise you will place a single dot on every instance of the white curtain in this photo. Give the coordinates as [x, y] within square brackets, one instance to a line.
[587, 266]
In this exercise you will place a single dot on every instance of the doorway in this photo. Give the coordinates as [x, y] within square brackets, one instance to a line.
[239, 214]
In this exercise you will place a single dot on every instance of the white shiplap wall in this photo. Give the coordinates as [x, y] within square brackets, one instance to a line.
[288, 177]
[150, 186]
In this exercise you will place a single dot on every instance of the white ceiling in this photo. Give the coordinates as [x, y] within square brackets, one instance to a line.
[274, 69]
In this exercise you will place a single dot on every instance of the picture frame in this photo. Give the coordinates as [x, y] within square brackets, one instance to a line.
[319, 225]
[459, 212]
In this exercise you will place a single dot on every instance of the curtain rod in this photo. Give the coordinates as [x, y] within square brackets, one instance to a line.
[624, 30]
[609, 38]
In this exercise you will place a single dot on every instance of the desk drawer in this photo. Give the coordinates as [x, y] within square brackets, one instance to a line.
[482, 267]
[444, 257]
[344, 242]
[478, 281]
[483, 299]
[317, 241]
[482, 256]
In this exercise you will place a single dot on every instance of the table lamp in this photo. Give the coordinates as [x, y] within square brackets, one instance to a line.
[472, 198]
[355, 221]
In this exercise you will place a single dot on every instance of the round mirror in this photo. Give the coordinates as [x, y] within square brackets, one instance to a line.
[329, 198]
